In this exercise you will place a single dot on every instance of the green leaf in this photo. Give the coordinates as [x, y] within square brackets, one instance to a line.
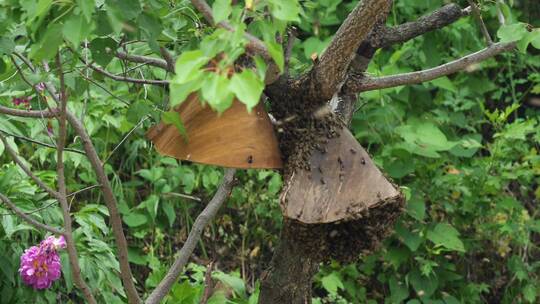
[173, 117]
[331, 283]
[530, 293]
[410, 239]
[48, 46]
[6, 46]
[137, 110]
[66, 270]
[424, 138]
[102, 50]
[398, 291]
[168, 209]
[423, 285]
[446, 236]
[42, 8]
[216, 92]
[445, 83]
[180, 91]
[76, 29]
[188, 65]
[286, 10]
[221, 9]
[512, 32]
[135, 219]
[416, 208]
[126, 9]
[276, 52]
[87, 8]
[3, 67]
[236, 283]
[152, 203]
[247, 87]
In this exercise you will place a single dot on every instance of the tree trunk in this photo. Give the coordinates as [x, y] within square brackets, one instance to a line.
[288, 280]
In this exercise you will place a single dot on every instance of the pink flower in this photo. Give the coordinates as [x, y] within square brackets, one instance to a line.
[40, 266]
[24, 101]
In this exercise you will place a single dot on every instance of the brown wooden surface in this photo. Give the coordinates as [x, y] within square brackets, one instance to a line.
[342, 183]
[235, 139]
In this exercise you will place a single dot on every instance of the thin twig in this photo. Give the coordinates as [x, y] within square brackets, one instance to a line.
[103, 88]
[157, 62]
[35, 210]
[82, 190]
[480, 21]
[255, 45]
[27, 218]
[194, 198]
[168, 58]
[120, 78]
[194, 235]
[125, 138]
[27, 170]
[208, 284]
[31, 85]
[364, 83]
[28, 139]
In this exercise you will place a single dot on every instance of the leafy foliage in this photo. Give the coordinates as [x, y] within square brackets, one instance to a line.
[465, 149]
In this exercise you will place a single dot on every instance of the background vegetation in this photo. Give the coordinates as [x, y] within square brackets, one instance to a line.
[464, 148]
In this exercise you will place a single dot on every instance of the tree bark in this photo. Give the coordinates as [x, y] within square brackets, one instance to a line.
[288, 280]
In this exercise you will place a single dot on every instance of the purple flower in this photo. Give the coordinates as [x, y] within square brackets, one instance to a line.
[40, 266]
[40, 86]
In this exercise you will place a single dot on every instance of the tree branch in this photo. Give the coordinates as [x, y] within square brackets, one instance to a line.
[329, 73]
[39, 142]
[437, 19]
[200, 223]
[110, 200]
[29, 113]
[61, 142]
[255, 45]
[363, 83]
[480, 21]
[27, 170]
[28, 218]
[157, 62]
[118, 77]
[169, 59]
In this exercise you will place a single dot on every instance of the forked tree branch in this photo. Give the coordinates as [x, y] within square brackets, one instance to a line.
[255, 45]
[112, 205]
[62, 198]
[105, 73]
[195, 234]
[437, 19]
[362, 83]
[329, 73]
[108, 195]
[28, 218]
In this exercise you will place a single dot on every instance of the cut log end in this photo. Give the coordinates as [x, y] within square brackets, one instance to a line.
[341, 184]
[235, 139]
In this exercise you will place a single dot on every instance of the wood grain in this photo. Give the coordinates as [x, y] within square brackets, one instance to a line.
[341, 185]
[234, 139]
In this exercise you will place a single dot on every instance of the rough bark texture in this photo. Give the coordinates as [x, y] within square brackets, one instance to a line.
[330, 71]
[288, 280]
